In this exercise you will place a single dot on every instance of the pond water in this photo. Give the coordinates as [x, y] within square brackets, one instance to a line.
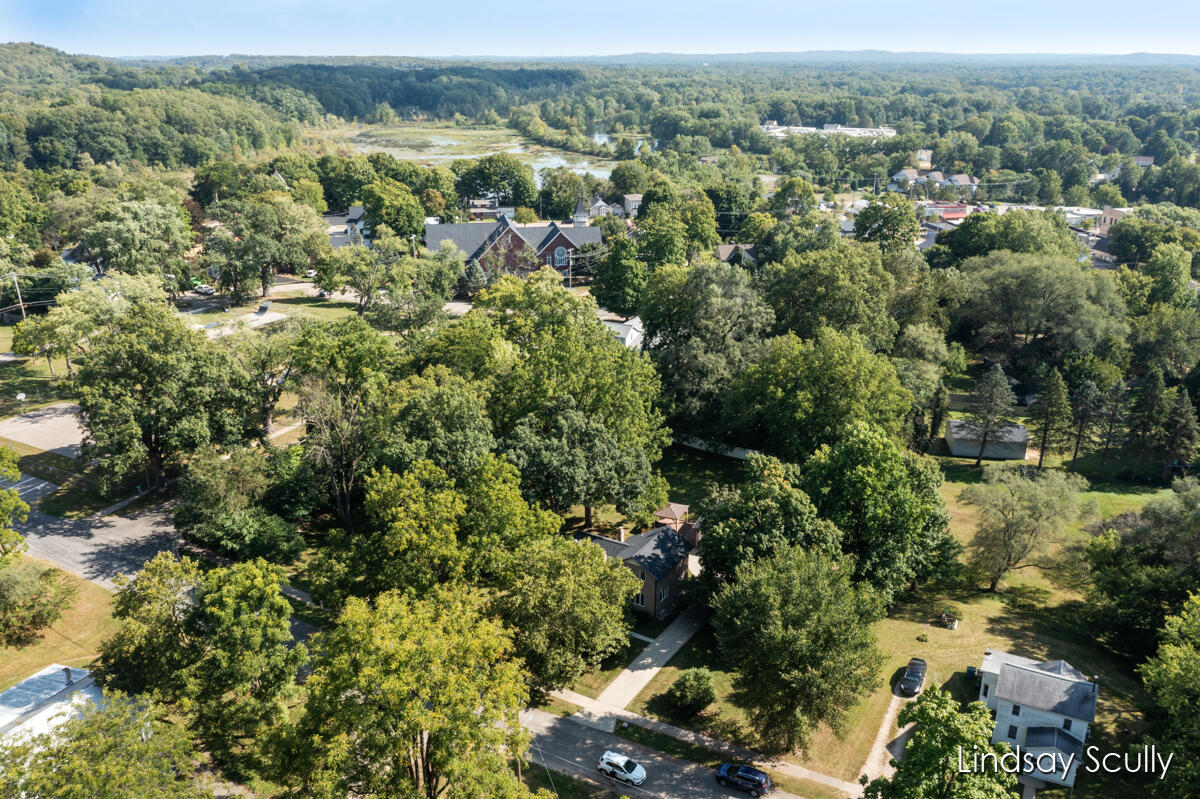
[440, 146]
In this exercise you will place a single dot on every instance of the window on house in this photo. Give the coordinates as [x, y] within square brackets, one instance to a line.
[985, 690]
[1016, 710]
[663, 592]
[1012, 732]
[560, 256]
[1066, 724]
[641, 574]
[640, 600]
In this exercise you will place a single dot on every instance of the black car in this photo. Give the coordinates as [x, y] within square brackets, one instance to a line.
[914, 677]
[750, 780]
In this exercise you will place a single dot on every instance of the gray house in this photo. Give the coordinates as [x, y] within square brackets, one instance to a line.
[1009, 444]
[1040, 708]
[657, 557]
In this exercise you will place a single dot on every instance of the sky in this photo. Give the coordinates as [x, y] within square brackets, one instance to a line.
[566, 28]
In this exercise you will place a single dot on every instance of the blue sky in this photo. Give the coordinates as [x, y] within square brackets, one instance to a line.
[508, 27]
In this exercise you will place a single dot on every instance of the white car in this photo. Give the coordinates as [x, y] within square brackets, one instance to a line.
[205, 289]
[310, 274]
[620, 767]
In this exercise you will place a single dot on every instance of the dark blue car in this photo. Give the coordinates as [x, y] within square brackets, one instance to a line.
[750, 780]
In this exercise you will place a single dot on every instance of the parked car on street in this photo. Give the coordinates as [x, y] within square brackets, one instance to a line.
[205, 289]
[744, 778]
[914, 677]
[310, 274]
[620, 767]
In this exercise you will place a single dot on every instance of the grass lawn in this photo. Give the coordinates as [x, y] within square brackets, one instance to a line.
[651, 627]
[535, 776]
[73, 641]
[692, 473]
[592, 683]
[559, 707]
[315, 307]
[30, 377]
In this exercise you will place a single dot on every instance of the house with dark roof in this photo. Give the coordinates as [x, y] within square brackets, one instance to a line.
[1041, 707]
[739, 254]
[519, 248]
[657, 557]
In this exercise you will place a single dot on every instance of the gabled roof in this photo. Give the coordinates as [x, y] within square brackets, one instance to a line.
[1059, 689]
[474, 237]
[611, 547]
[658, 551]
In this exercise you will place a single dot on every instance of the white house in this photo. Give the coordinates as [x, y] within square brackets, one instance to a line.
[40, 703]
[1042, 709]
[1009, 444]
[632, 202]
[629, 332]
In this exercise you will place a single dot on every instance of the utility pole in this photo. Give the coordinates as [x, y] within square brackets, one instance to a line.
[17, 286]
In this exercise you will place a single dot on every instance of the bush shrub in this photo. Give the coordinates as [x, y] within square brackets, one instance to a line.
[31, 599]
[252, 533]
[693, 691]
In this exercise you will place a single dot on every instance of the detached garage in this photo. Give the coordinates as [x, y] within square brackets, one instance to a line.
[1008, 444]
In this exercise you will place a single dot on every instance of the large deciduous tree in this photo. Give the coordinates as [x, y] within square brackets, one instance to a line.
[409, 697]
[889, 221]
[798, 634]
[1018, 515]
[1172, 678]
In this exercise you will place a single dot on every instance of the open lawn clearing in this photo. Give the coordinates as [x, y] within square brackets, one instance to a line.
[692, 473]
[564, 787]
[73, 641]
[322, 308]
[30, 377]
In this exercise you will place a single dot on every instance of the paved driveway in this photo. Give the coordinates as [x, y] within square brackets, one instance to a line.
[55, 427]
[568, 747]
[99, 547]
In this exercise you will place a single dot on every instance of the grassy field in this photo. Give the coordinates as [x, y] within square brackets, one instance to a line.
[439, 143]
[564, 787]
[693, 473]
[73, 641]
[30, 377]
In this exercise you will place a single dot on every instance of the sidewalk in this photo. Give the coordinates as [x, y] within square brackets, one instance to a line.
[638, 674]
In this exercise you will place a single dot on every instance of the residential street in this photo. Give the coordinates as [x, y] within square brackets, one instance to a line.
[566, 746]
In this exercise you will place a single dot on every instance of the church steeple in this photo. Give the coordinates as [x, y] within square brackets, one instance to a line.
[581, 212]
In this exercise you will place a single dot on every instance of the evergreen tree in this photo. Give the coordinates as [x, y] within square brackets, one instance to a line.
[1086, 406]
[990, 408]
[1113, 408]
[1050, 419]
[1182, 438]
[1147, 421]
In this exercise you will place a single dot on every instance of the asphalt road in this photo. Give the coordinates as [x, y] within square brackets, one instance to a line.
[566, 746]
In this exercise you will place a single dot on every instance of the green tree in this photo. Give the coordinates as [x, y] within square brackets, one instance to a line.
[1171, 678]
[662, 236]
[567, 458]
[844, 287]
[502, 177]
[438, 675]
[886, 501]
[704, 324]
[568, 607]
[1182, 439]
[112, 749]
[1148, 420]
[798, 634]
[273, 233]
[620, 278]
[153, 644]
[140, 237]
[889, 221]
[1087, 408]
[12, 509]
[931, 756]
[803, 394]
[1042, 232]
[1113, 413]
[390, 202]
[758, 517]
[244, 672]
[1170, 271]
[989, 408]
[1018, 514]
[1050, 417]
[152, 390]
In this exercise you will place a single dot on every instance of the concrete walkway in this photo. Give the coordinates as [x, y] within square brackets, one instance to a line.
[638, 674]
[879, 761]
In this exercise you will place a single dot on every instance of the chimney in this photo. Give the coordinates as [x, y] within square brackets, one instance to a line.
[621, 534]
[70, 679]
